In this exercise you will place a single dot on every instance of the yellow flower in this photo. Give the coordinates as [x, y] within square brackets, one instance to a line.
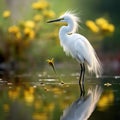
[29, 24]
[111, 28]
[51, 63]
[14, 94]
[29, 98]
[37, 6]
[92, 26]
[37, 18]
[6, 13]
[104, 25]
[49, 13]
[29, 95]
[29, 32]
[40, 116]
[40, 5]
[106, 100]
[101, 22]
[13, 29]
[100, 25]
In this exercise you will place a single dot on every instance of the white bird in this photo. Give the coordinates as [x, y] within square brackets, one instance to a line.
[83, 107]
[77, 46]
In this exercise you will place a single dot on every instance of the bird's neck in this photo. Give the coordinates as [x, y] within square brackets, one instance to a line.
[66, 30]
[69, 28]
[63, 33]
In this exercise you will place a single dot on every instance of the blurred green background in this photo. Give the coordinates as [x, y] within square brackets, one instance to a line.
[28, 41]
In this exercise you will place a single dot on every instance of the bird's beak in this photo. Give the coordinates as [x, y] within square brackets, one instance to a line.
[56, 20]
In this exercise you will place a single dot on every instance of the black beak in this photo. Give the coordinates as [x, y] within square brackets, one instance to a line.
[56, 20]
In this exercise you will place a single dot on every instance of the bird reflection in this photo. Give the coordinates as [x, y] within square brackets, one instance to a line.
[83, 107]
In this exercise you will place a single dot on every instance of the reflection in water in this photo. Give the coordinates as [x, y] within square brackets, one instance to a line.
[106, 100]
[83, 107]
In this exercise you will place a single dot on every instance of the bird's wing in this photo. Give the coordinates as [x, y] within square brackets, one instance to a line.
[82, 51]
[85, 52]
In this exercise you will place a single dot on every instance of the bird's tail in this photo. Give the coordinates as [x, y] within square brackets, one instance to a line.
[95, 65]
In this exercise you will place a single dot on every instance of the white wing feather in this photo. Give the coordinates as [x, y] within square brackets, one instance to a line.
[86, 51]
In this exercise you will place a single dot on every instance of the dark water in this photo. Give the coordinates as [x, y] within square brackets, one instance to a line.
[44, 97]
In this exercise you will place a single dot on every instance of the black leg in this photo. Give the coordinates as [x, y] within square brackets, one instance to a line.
[81, 80]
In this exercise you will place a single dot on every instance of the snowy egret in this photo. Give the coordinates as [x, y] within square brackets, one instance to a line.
[83, 107]
[77, 46]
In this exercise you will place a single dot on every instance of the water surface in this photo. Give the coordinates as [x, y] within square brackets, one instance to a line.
[44, 97]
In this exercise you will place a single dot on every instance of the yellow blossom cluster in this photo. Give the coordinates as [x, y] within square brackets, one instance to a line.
[106, 99]
[14, 93]
[29, 32]
[40, 5]
[104, 25]
[92, 26]
[23, 32]
[6, 14]
[40, 116]
[38, 18]
[44, 8]
[29, 24]
[49, 13]
[100, 25]
[29, 95]
[29, 29]
[15, 30]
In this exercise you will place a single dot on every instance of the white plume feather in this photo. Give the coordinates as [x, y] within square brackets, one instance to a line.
[74, 18]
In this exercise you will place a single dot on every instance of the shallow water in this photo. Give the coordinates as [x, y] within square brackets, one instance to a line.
[44, 97]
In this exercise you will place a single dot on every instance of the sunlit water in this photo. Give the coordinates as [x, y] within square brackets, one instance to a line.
[44, 97]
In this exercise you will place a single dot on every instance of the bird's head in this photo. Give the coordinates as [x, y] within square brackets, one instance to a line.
[66, 17]
[69, 18]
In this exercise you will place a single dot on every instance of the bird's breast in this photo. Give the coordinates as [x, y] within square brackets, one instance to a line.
[68, 47]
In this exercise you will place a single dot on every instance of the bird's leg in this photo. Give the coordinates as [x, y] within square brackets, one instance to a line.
[80, 80]
[83, 74]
